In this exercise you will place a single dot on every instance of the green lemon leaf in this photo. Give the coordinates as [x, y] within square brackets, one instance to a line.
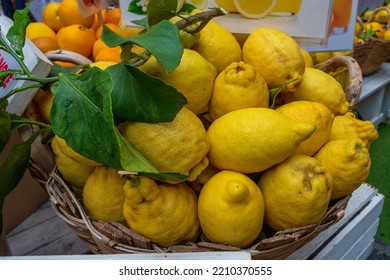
[160, 10]
[17, 33]
[13, 168]
[5, 124]
[141, 22]
[134, 8]
[187, 8]
[165, 33]
[82, 115]
[139, 97]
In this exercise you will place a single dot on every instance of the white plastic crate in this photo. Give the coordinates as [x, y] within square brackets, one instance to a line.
[374, 103]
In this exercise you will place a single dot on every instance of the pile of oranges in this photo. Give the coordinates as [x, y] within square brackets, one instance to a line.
[63, 28]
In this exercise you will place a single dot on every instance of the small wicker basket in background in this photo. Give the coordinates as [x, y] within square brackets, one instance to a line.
[114, 238]
[373, 52]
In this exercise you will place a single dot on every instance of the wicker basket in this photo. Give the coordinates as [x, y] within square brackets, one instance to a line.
[372, 53]
[115, 238]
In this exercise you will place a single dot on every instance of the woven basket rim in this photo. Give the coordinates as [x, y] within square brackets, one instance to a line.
[278, 246]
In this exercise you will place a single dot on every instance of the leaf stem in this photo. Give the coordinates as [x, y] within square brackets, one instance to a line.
[18, 58]
[140, 59]
[31, 122]
[41, 80]
[203, 18]
[16, 90]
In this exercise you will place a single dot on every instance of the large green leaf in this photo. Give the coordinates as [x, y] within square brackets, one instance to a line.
[82, 114]
[16, 34]
[13, 168]
[160, 10]
[134, 8]
[139, 97]
[162, 40]
[5, 124]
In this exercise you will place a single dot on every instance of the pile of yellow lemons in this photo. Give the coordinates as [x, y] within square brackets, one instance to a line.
[249, 165]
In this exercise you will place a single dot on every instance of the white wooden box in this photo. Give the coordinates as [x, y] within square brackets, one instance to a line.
[374, 103]
[352, 237]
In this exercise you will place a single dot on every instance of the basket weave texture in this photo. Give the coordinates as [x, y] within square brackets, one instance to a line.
[115, 238]
[372, 53]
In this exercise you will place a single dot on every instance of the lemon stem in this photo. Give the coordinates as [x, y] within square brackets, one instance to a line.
[273, 93]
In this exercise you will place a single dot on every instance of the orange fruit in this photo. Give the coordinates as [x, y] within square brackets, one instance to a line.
[112, 26]
[51, 16]
[98, 46]
[112, 15]
[65, 63]
[39, 29]
[69, 14]
[45, 44]
[96, 23]
[76, 38]
[109, 54]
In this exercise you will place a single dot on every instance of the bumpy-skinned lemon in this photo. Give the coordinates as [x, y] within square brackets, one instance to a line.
[349, 163]
[164, 213]
[348, 126]
[73, 172]
[276, 56]
[194, 78]
[231, 209]
[296, 192]
[175, 146]
[203, 177]
[103, 194]
[218, 46]
[321, 87]
[254, 139]
[198, 169]
[68, 151]
[239, 86]
[312, 112]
